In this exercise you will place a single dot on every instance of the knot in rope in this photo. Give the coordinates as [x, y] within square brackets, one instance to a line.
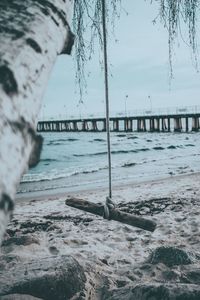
[109, 205]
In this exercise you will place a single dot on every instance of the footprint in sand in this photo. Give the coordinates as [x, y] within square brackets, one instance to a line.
[75, 242]
[53, 250]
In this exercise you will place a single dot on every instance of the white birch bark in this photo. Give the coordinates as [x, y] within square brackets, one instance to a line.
[32, 34]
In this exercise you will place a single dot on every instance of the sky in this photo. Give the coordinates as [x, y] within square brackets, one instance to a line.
[139, 71]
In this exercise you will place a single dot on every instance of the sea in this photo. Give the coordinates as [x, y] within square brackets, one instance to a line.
[73, 161]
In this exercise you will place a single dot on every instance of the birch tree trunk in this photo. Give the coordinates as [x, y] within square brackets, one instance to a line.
[32, 34]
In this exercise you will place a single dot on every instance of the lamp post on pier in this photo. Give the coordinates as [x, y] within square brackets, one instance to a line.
[149, 97]
[43, 111]
[125, 105]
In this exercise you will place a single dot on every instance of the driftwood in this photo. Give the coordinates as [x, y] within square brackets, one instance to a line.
[115, 214]
[32, 34]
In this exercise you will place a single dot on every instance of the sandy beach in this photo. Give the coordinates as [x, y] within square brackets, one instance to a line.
[115, 257]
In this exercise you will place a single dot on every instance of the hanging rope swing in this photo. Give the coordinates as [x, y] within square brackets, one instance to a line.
[108, 210]
[109, 203]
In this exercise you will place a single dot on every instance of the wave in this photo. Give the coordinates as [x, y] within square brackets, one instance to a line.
[121, 135]
[171, 147]
[41, 177]
[61, 141]
[158, 148]
[48, 159]
[132, 137]
[54, 143]
[189, 145]
[71, 140]
[175, 147]
[98, 140]
[127, 165]
[142, 150]
[112, 152]
[90, 154]
[90, 171]
[122, 151]
[37, 187]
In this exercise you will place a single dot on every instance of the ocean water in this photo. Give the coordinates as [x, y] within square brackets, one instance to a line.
[76, 161]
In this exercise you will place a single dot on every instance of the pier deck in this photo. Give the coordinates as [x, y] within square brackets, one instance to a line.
[181, 122]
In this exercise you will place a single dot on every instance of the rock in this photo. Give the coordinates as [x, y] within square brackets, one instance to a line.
[191, 276]
[171, 256]
[155, 291]
[52, 278]
[18, 297]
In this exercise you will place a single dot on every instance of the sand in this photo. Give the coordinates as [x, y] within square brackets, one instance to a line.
[109, 249]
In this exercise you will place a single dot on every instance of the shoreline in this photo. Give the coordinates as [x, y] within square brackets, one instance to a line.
[61, 192]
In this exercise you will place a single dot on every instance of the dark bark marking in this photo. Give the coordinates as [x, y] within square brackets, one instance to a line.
[17, 7]
[33, 44]
[54, 20]
[17, 34]
[35, 154]
[46, 4]
[6, 203]
[12, 4]
[19, 125]
[8, 81]
[69, 43]
[26, 129]
[45, 11]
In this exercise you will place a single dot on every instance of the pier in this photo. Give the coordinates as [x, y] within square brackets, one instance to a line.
[179, 121]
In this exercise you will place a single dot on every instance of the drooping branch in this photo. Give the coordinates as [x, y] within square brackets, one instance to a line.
[175, 14]
[87, 28]
[32, 34]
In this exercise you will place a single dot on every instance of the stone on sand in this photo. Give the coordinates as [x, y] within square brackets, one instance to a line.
[156, 291]
[49, 278]
[170, 256]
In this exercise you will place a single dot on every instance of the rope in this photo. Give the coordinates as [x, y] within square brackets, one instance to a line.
[109, 204]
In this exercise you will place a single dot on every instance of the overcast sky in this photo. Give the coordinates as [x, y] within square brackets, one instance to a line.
[139, 66]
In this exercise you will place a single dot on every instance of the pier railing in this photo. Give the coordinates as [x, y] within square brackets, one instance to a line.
[129, 113]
